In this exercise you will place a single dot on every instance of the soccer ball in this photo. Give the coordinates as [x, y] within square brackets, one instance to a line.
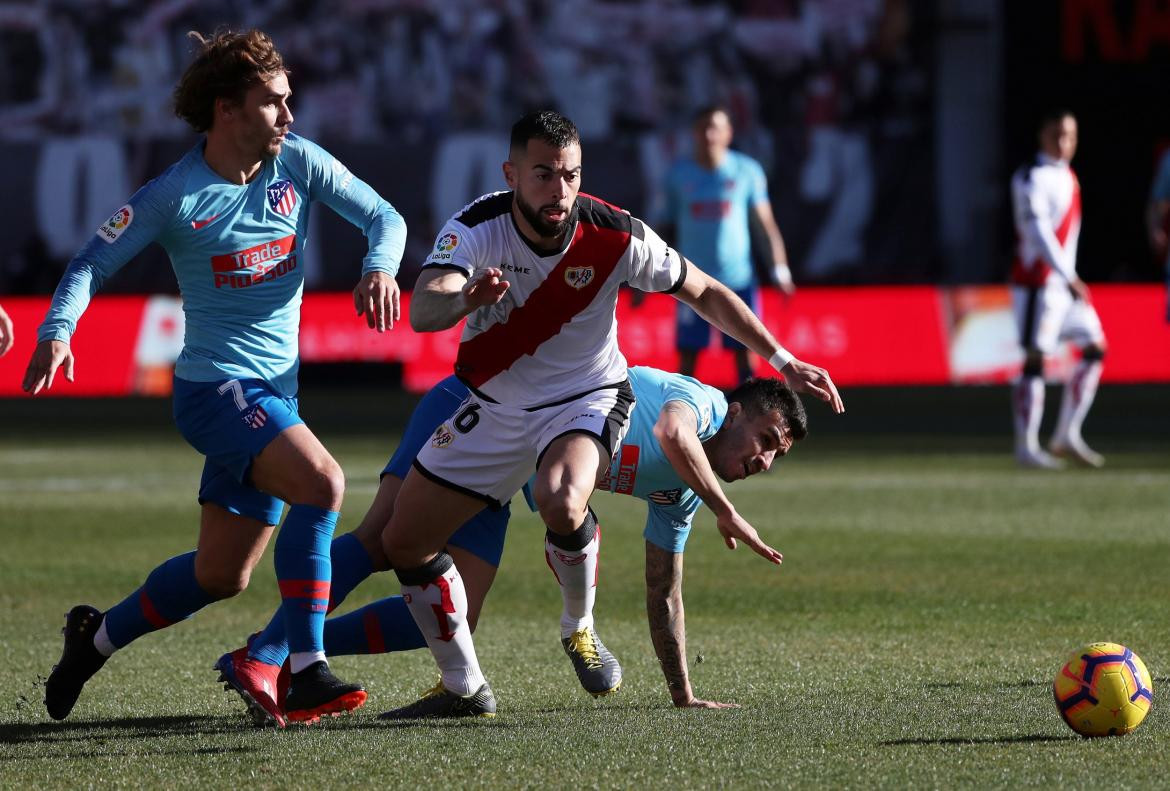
[1103, 690]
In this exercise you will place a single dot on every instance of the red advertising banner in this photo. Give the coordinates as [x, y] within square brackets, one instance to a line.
[863, 336]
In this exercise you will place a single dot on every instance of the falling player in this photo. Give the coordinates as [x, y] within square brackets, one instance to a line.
[232, 216]
[684, 437]
[536, 270]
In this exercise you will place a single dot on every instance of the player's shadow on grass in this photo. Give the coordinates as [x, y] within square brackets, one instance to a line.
[1039, 737]
[135, 728]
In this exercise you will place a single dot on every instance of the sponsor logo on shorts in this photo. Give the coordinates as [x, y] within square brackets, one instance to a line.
[282, 198]
[254, 417]
[442, 437]
[579, 276]
[665, 496]
[621, 479]
[112, 228]
[258, 264]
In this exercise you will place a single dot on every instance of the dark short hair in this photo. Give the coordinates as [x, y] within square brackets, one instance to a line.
[226, 66]
[545, 125]
[765, 395]
[1054, 115]
[709, 110]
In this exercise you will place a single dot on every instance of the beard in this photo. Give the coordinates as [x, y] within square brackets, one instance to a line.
[535, 217]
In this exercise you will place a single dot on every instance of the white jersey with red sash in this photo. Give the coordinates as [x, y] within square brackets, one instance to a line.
[1046, 203]
[554, 335]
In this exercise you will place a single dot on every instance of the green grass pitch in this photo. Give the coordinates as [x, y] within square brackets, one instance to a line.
[930, 591]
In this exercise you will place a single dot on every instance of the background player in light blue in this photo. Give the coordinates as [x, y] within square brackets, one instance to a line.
[232, 216]
[683, 438]
[711, 199]
[1158, 219]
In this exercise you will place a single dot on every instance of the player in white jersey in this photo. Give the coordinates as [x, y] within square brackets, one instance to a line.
[1050, 301]
[536, 271]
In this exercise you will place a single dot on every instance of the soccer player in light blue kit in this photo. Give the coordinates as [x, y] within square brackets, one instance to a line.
[711, 198]
[1158, 218]
[683, 438]
[233, 216]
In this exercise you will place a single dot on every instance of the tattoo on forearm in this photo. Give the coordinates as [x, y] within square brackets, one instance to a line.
[664, 609]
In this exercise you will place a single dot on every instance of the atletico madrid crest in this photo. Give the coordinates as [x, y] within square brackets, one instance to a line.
[282, 198]
[254, 417]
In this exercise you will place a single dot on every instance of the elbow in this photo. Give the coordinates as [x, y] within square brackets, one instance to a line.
[420, 323]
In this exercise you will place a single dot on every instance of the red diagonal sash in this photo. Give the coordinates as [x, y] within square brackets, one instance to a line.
[552, 305]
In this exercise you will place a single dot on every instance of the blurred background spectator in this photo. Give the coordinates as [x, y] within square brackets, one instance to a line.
[886, 127]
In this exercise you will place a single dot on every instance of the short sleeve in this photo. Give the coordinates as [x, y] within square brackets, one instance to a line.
[694, 395]
[455, 248]
[757, 184]
[654, 265]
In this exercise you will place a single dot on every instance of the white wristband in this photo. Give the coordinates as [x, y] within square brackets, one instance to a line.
[781, 358]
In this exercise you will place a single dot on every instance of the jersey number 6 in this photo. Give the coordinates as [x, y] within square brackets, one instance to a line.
[466, 420]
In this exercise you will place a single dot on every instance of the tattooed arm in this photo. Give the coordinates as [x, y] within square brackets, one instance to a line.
[664, 608]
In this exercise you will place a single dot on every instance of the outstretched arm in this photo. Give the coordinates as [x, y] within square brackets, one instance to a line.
[676, 430]
[720, 306]
[664, 610]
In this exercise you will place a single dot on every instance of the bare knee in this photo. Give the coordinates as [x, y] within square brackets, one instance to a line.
[324, 486]
[561, 512]
[369, 535]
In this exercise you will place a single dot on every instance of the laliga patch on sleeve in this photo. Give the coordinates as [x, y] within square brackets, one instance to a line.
[112, 228]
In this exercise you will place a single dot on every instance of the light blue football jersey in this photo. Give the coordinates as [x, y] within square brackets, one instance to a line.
[1160, 189]
[237, 252]
[709, 209]
[640, 468]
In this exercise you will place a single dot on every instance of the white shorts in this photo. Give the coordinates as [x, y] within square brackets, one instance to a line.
[490, 450]
[1050, 314]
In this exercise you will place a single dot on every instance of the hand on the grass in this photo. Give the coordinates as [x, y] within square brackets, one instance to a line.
[695, 703]
[485, 287]
[805, 378]
[42, 368]
[377, 296]
[732, 526]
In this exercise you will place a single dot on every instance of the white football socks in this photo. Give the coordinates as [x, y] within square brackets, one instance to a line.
[1078, 396]
[439, 607]
[1028, 409]
[101, 641]
[301, 659]
[576, 570]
